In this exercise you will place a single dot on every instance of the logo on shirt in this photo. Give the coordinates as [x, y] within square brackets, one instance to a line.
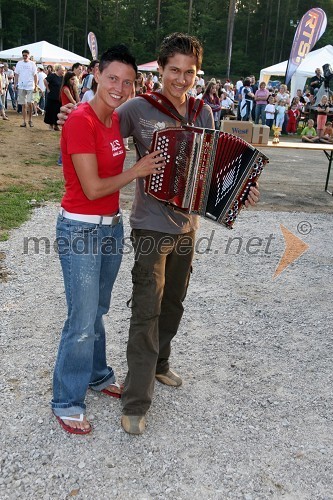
[116, 147]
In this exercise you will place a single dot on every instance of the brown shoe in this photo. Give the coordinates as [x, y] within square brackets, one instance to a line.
[169, 378]
[133, 424]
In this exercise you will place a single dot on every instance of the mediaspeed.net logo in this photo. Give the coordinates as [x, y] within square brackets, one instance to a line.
[294, 246]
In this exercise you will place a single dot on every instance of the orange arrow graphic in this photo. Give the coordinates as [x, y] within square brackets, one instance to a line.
[295, 247]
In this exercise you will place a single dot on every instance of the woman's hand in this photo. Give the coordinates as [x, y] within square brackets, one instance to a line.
[149, 164]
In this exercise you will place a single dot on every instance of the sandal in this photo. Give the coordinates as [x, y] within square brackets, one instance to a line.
[114, 393]
[73, 430]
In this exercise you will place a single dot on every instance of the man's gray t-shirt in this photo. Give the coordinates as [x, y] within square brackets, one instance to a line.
[138, 118]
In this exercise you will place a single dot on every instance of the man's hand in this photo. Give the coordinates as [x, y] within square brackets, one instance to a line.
[64, 112]
[253, 196]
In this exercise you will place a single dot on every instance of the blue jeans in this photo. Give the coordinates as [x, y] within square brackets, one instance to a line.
[90, 256]
[260, 113]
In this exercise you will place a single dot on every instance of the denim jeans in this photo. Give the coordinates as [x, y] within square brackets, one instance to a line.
[160, 278]
[90, 257]
[11, 92]
[260, 113]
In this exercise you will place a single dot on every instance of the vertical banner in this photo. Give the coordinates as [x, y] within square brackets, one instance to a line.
[310, 29]
[92, 42]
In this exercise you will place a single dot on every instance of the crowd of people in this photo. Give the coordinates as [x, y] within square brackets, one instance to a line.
[35, 89]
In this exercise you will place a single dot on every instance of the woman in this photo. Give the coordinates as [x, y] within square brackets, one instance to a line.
[53, 83]
[247, 101]
[322, 112]
[261, 99]
[140, 87]
[210, 97]
[67, 90]
[90, 234]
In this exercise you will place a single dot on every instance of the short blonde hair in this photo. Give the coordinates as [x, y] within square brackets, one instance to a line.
[58, 66]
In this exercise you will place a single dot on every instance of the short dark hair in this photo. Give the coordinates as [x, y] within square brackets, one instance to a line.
[93, 64]
[25, 51]
[180, 43]
[118, 53]
[76, 65]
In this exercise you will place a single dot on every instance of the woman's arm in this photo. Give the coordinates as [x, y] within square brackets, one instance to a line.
[69, 95]
[95, 187]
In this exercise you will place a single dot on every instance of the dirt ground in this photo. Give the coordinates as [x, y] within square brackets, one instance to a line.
[293, 181]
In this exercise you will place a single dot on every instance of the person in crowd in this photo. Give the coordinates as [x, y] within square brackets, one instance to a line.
[227, 105]
[77, 70]
[327, 136]
[280, 109]
[10, 89]
[199, 91]
[261, 99]
[160, 277]
[293, 116]
[322, 112]
[2, 111]
[254, 87]
[3, 84]
[25, 78]
[140, 87]
[3, 90]
[87, 96]
[247, 97]
[67, 89]
[53, 83]
[41, 75]
[87, 82]
[210, 98]
[316, 81]
[309, 133]
[149, 83]
[270, 112]
[93, 159]
[283, 94]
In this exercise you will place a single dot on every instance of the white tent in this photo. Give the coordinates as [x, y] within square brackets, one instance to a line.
[315, 59]
[45, 53]
[153, 67]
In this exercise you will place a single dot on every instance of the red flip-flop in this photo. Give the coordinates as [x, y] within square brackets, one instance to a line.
[73, 430]
[114, 394]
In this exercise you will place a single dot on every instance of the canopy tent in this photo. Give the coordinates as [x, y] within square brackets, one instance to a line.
[315, 59]
[153, 67]
[45, 53]
[150, 66]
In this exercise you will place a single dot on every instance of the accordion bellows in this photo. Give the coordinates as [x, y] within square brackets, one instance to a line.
[207, 172]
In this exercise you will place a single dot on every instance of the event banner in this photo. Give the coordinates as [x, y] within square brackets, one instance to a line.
[311, 27]
[92, 42]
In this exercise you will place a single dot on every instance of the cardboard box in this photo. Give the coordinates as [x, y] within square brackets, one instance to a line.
[260, 134]
[240, 129]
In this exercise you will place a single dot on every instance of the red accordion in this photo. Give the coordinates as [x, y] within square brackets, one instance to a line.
[207, 172]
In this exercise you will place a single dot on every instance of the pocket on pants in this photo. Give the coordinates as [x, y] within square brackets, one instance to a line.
[146, 297]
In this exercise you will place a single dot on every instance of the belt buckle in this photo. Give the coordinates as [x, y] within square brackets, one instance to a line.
[116, 219]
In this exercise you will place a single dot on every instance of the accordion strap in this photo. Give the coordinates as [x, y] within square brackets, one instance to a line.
[163, 104]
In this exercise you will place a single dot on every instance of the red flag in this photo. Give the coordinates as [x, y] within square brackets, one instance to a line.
[311, 27]
[92, 42]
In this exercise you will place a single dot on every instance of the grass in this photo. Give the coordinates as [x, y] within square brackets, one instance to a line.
[16, 203]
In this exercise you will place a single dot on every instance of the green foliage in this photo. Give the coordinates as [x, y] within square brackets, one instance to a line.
[262, 31]
[16, 203]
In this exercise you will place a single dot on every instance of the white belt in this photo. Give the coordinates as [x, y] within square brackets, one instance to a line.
[93, 219]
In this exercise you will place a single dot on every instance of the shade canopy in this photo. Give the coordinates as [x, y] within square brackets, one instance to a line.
[45, 53]
[315, 59]
[153, 67]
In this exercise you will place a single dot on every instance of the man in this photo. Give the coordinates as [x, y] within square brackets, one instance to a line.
[163, 239]
[86, 85]
[26, 83]
[316, 81]
[41, 75]
[160, 276]
[10, 76]
[3, 85]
